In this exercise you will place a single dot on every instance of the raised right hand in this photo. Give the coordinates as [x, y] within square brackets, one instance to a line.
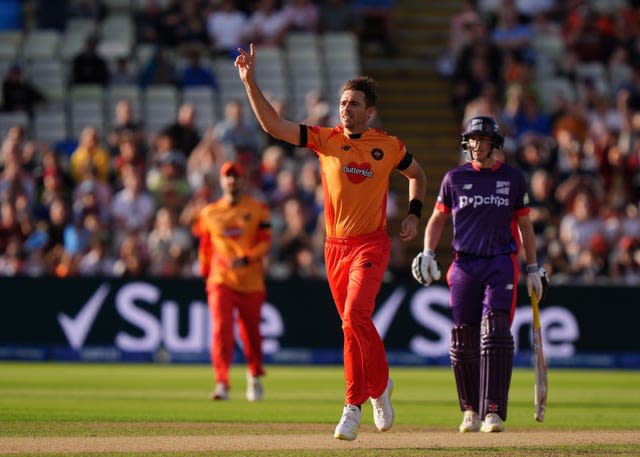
[245, 62]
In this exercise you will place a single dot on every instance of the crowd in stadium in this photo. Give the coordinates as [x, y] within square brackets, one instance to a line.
[122, 202]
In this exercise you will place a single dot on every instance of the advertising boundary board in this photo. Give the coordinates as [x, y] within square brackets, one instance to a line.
[150, 320]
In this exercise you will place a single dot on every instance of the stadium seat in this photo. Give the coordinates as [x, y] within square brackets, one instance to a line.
[10, 119]
[47, 74]
[10, 43]
[41, 44]
[305, 66]
[50, 125]
[206, 102]
[231, 87]
[272, 71]
[160, 108]
[86, 107]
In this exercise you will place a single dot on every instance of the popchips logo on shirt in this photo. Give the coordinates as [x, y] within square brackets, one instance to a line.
[479, 200]
[357, 172]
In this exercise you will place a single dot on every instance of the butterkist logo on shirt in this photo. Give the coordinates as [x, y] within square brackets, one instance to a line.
[357, 172]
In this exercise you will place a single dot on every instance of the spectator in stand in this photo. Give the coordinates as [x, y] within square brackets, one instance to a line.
[88, 67]
[487, 103]
[580, 225]
[133, 259]
[14, 180]
[51, 185]
[271, 163]
[87, 200]
[90, 154]
[203, 162]
[183, 133]
[588, 33]
[18, 94]
[460, 35]
[148, 21]
[467, 87]
[294, 241]
[267, 25]
[339, 16]
[510, 35]
[125, 125]
[191, 29]
[617, 177]
[625, 260]
[169, 22]
[133, 208]
[479, 63]
[58, 218]
[127, 153]
[529, 118]
[578, 177]
[301, 16]
[535, 152]
[160, 69]
[167, 178]
[122, 74]
[379, 23]
[318, 111]
[237, 134]
[226, 27]
[170, 246]
[97, 261]
[196, 74]
[13, 260]
[11, 226]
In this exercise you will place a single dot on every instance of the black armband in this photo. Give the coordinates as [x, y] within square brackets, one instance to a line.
[415, 208]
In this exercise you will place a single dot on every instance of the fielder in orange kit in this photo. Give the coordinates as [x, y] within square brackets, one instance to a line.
[235, 237]
[356, 162]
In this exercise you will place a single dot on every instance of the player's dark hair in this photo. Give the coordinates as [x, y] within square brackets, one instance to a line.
[364, 84]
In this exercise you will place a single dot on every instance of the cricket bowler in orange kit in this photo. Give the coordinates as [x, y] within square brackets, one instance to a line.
[355, 163]
[235, 236]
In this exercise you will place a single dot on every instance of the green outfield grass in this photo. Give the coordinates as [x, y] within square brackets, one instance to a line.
[67, 400]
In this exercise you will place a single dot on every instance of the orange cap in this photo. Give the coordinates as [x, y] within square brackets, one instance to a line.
[231, 167]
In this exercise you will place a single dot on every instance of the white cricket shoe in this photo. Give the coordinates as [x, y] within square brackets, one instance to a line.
[470, 423]
[255, 391]
[382, 409]
[347, 428]
[220, 393]
[492, 424]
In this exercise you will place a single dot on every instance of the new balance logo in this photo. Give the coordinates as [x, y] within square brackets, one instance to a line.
[467, 186]
[346, 147]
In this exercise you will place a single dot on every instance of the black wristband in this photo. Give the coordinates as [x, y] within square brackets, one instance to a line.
[415, 208]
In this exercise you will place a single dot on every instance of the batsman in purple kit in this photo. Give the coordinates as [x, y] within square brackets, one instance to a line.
[488, 201]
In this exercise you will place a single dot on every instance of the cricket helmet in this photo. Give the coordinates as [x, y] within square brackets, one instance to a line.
[482, 125]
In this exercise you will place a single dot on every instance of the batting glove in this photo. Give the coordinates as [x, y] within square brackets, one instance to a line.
[425, 268]
[538, 280]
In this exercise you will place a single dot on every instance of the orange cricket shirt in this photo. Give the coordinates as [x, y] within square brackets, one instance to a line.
[355, 177]
[230, 231]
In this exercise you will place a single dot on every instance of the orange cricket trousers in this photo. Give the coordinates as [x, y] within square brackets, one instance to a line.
[355, 269]
[226, 305]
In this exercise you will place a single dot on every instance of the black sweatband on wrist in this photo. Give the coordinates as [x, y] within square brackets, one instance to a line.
[415, 208]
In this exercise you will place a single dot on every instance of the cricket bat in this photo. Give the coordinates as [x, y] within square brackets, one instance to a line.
[539, 365]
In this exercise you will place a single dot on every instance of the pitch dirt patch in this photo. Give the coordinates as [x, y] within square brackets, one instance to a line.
[123, 437]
